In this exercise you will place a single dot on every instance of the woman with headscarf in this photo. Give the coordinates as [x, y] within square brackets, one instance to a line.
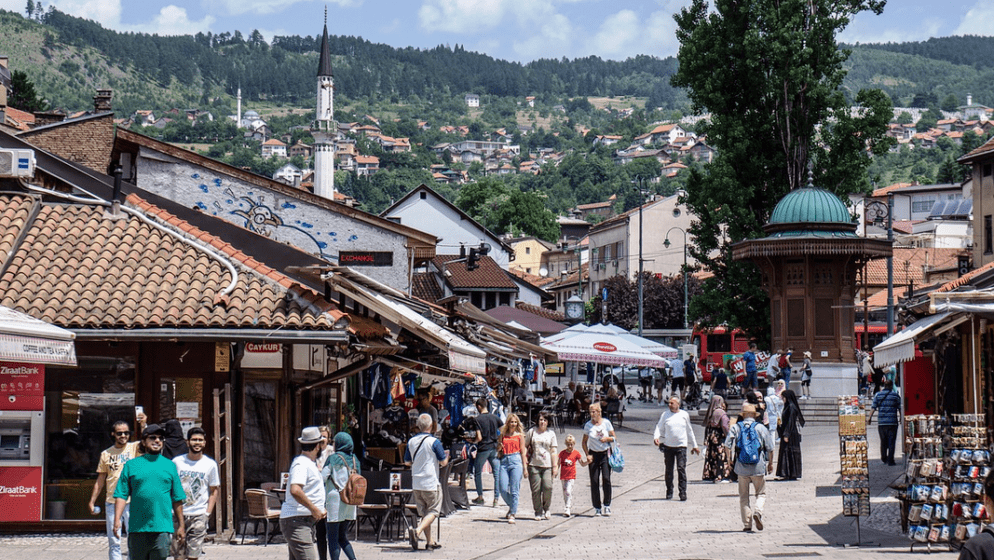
[174, 444]
[716, 465]
[789, 459]
[336, 472]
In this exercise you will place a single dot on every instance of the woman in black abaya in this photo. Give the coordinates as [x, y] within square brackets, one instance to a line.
[789, 461]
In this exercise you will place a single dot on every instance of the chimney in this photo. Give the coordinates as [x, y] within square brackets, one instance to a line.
[101, 101]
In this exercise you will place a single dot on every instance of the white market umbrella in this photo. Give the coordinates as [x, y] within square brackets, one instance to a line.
[602, 348]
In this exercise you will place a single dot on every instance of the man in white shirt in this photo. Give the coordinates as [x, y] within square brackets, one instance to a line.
[202, 484]
[425, 455]
[676, 377]
[673, 433]
[304, 505]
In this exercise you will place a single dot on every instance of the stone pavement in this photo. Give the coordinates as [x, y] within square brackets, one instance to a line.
[802, 518]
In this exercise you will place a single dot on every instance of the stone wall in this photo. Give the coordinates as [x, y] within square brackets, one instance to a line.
[87, 141]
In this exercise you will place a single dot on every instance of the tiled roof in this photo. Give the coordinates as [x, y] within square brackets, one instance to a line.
[988, 146]
[273, 142]
[488, 276]
[425, 287]
[549, 314]
[884, 190]
[937, 259]
[879, 298]
[532, 279]
[906, 226]
[963, 280]
[77, 268]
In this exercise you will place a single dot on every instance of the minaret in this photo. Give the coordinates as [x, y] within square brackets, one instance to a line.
[323, 129]
[238, 123]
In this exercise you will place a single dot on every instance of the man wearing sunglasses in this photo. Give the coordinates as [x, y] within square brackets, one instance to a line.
[152, 483]
[112, 460]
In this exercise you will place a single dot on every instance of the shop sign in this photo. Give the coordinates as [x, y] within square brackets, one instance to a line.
[222, 357]
[605, 347]
[20, 493]
[22, 386]
[365, 258]
[263, 356]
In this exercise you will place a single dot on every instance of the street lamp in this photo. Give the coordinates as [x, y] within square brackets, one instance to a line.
[639, 181]
[666, 243]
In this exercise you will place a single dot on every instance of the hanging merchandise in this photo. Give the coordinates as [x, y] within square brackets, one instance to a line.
[926, 507]
[376, 383]
[966, 467]
[397, 385]
[410, 384]
[454, 403]
[853, 453]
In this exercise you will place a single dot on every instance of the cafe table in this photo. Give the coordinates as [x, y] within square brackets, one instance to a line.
[397, 499]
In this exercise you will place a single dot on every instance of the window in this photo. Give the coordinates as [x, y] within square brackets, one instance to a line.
[988, 235]
[528, 250]
[987, 169]
[719, 343]
[922, 203]
[424, 195]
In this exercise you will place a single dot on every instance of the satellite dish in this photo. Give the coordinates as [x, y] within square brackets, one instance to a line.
[543, 272]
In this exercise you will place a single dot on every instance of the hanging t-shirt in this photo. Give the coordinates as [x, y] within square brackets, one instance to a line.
[453, 403]
[198, 477]
[378, 387]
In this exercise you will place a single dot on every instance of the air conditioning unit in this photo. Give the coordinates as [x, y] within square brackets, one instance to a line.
[17, 163]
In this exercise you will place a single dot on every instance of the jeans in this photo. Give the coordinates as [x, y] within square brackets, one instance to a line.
[488, 456]
[338, 540]
[114, 543]
[750, 380]
[509, 481]
[679, 454]
[540, 480]
[786, 376]
[759, 482]
[600, 469]
[888, 438]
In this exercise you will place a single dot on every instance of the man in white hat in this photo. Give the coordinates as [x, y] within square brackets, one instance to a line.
[304, 505]
[751, 452]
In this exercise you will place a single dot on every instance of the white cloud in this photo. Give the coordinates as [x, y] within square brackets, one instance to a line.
[553, 40]
[462, 16]
[618, 35]
[173, 20]
[105, 12]
[977, 20]
[867, 27]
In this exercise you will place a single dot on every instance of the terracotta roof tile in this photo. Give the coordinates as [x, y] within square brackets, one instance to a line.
[884, 190]
[488, 275]
[426, 287]
[963, 280]
[78, 269]
[937, 259]
[987, 146]
[550, 314]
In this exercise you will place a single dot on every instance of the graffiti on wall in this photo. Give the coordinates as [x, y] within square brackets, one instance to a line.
[263, 214]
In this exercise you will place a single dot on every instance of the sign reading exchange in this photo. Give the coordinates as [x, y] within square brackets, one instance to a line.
[365, 258]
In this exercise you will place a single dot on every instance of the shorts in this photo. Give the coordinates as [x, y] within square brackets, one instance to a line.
[660, 383]
[645, 381]
[679, 383]
[193, 545]
[149, 546]
[428, 501]
[806, 382]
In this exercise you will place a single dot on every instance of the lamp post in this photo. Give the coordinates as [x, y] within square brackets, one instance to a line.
[890, 265]
[639, 181]
[686, 300]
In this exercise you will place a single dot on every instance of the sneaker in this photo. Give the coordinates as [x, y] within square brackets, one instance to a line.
[510, 519]
[757, 520]
[538, 516]
[546, 516]
[412, 533]
[597, 512]
[747, 529]
[495, 501]
[726, 481]
[567, 513]
[479, 501]
[607, 511]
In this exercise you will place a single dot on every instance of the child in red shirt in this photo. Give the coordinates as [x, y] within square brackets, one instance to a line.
[569, 458]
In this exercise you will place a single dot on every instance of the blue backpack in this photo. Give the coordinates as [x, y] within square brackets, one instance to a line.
[749, 444]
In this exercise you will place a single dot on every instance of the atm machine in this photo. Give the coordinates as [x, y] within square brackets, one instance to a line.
[22, 439]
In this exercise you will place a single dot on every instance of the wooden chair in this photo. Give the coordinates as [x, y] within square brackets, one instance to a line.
[612, 411]
[259, 509]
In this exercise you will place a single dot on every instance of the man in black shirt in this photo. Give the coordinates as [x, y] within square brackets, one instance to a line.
[488, 427]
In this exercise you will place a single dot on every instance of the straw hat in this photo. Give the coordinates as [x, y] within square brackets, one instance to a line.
[749, 409]
[807, 354]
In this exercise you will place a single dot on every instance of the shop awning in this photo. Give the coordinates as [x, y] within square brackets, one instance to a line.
[901, 346]
[26, 339]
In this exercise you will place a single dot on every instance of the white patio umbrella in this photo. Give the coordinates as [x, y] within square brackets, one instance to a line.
[601, 348]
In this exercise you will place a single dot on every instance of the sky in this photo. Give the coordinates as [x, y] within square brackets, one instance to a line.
[518, 30]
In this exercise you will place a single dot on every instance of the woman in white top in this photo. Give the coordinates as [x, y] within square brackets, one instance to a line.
[336, 474]
[543, 466]
[598, 434]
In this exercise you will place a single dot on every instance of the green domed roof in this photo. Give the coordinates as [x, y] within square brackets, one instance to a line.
[810, 205]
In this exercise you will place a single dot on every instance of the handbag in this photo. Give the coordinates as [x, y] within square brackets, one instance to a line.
[615, 459]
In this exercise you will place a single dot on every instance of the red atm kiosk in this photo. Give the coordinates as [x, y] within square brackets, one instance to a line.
[22, 437]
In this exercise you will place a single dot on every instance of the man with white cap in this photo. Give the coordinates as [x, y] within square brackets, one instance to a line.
[304, 505]
[751, 444]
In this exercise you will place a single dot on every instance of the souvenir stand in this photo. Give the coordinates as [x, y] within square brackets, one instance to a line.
[855, 466]
[924, 513]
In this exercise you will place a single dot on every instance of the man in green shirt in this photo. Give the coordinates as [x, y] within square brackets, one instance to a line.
[153, 484]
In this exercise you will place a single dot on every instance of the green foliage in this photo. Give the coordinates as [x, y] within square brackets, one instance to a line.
[662, 301]
[780, 81]
[23, 95]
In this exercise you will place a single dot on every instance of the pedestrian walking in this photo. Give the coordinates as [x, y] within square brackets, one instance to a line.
[888, 402]
[750, 443]
[321, 529]
[487, 449]
[719, 382]
[542, 465]
[513, 464]
[676, 377]
[806, 376]
[152, 483]
[598, 435]
[774, 411]
[304, 505]
[202, 484]
[425, 455]
[112, 460]
[673, 433]
[789, 459]
[716, 464]
[981, 545]
[569, 458]
[750, 367]
[786, 366]
[773, 367]
[660, 382]
[335, 473]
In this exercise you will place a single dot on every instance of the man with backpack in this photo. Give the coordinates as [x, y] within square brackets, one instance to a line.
[751, 444]
[425, 454]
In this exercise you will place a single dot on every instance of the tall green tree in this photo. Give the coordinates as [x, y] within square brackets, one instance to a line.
[23, 95]
[776, 106]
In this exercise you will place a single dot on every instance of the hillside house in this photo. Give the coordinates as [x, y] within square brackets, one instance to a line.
[273, 147]
[289, 174]
[366, 165]
[662, 134]
[300, 149]
[600, 209]
[472, 100]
